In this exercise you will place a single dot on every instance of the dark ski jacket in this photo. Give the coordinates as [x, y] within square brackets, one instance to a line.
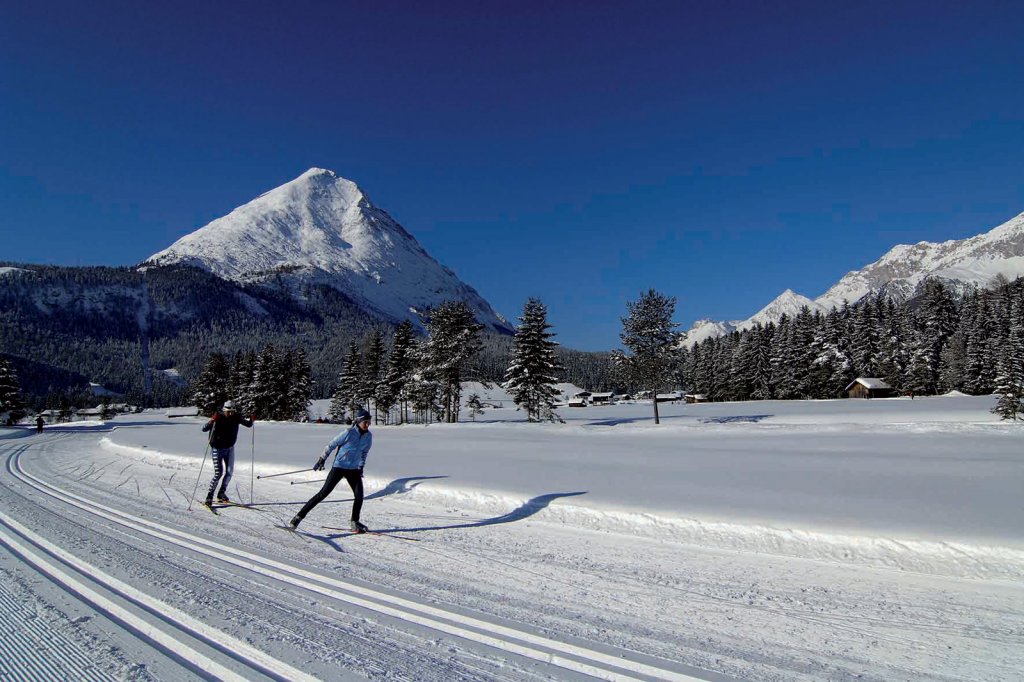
[225, 429]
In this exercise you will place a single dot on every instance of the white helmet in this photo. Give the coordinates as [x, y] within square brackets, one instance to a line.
[229, 405]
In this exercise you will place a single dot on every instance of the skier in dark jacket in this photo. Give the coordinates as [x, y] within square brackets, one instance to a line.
[224, 425]
[352, 445]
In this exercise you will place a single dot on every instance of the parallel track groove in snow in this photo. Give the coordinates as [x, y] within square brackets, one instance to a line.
[528, 645]
[70, 572]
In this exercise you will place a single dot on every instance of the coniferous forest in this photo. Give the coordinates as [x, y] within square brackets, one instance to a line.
[148, 335]
[933, 343]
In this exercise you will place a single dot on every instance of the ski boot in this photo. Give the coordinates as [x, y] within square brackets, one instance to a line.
[358, 527]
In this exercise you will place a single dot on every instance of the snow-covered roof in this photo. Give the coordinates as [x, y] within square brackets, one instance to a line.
[868, 383]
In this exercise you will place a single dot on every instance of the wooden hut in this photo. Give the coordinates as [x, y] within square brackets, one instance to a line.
[865, 387]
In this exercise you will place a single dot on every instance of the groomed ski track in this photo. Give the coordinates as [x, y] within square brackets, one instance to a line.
[205, 651]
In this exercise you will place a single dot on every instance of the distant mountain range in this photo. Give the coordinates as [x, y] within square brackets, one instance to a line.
[322, 229]
[960, 263]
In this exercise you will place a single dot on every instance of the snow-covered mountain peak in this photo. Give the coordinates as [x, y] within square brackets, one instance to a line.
[322, 228]
[787, 303]
[975, 261]
[972, 261]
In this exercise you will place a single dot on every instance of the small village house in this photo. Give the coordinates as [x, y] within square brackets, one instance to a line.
[864, 387]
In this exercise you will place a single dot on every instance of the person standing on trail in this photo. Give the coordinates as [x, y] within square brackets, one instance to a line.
[39, 423]
[352, 445]
[224, 425]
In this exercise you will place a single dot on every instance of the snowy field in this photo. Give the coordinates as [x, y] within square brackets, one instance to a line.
[804, 540]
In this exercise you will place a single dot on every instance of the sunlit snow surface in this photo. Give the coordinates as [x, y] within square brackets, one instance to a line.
[932, 484]
[809, 540]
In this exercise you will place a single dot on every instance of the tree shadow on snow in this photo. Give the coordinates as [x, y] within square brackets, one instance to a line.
[637, 420]
[745, 418]
[523, 511]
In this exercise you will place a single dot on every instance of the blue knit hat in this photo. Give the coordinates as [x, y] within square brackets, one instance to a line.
[362, 416]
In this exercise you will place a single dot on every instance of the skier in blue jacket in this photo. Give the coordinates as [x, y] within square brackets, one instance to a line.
[352, 445]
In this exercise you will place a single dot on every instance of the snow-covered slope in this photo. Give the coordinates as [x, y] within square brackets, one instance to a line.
[321, 228]
[975, 261]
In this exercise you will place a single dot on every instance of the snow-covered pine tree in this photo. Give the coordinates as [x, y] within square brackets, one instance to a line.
[300, 390]
[209, 390]
[424, 396]
[865, 342]
[266, 383]
[373, 362]
[784, 374]
[983, 337]
[345, 398]
[1010, 373]
[936, 322]
[240, 381]
[11, 403]
[400, 366]
[831, 364]
[761, 368]
[896, 362]
[453, 339]
[722, 358]
[650, 336]
[530, 378]
[474, 406]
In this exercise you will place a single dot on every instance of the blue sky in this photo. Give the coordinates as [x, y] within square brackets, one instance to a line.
[582, 152]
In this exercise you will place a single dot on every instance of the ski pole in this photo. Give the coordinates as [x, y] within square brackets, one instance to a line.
[319, 480]
[297, 471]
[192, 499]
[252, 462]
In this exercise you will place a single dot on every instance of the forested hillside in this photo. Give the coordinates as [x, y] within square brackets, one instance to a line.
[64, 327]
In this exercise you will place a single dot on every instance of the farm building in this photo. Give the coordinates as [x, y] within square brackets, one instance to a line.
[601, 399]
[863, 387]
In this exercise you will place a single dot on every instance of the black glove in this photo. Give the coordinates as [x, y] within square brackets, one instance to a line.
[319, 466]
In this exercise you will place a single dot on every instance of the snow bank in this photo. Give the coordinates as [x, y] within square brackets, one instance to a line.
[935, 558]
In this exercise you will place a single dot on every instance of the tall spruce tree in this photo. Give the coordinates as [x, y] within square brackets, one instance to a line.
[267, 384]
[345, 399]
[399, 370]
[652, 343]
[11, 403]
[373, 363]
[300, 392]
[453, 339]
[1010, 372]
[530, 378]
[400, 363]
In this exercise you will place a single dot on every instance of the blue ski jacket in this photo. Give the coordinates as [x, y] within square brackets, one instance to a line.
[352, 446]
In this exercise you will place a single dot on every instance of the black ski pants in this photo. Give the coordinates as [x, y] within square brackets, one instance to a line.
[334, 476]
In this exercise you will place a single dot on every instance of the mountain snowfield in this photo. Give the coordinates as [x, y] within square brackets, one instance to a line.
[322, 229]
[975, 261]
